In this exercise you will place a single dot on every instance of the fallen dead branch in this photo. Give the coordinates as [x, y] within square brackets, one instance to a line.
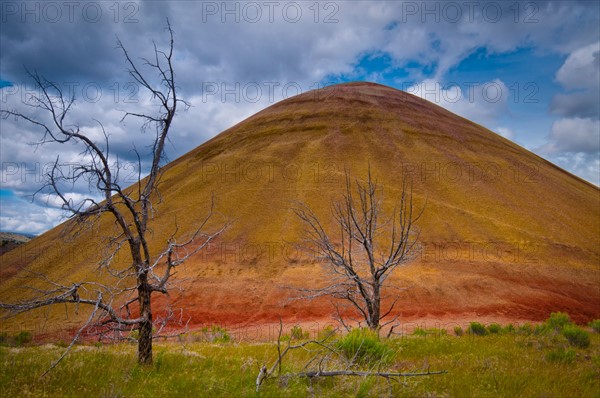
[323, 353]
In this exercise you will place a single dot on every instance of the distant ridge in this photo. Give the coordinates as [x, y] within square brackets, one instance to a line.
[10, 240]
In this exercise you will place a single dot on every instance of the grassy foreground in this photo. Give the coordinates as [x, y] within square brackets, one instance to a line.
[493, 365]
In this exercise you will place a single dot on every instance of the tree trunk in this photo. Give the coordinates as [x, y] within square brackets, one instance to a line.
[373, 321]
[145, 327]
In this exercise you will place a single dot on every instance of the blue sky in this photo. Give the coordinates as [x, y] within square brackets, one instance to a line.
[526, 70]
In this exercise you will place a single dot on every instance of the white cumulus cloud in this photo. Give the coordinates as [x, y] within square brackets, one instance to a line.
[581, 69]
[573, 135]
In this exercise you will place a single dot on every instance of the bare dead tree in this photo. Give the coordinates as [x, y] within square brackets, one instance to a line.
[126, 304]
[367, 250]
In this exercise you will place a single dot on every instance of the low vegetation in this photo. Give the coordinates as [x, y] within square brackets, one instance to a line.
[365, 346]
[557, 358]
[476, 328]
[17, 340]
[576, 336]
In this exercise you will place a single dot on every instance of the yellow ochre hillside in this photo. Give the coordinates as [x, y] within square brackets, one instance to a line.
[506, 235]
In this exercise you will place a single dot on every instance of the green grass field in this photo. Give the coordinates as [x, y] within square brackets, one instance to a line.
[516, 363]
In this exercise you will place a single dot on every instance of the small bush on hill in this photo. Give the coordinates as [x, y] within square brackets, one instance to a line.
[557, 321]
[494, 328]
[364, 346]
[476, 328]
[576, 336]
[458, 331]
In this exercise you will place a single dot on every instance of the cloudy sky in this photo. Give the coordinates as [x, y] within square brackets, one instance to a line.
[526, 70]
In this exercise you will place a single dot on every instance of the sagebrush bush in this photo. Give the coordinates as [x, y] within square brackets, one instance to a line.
[494, 328]
[458, 331]
[476, 328]
[595, 325]
[576, 336]
[364, 346]
[557, 321]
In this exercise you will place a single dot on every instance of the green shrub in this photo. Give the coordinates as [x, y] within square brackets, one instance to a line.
[364, 346]
[508, 328]
[595, 325]
[297, 333]
[576, 336]
[561, 355]
[23, 338]
[3, 338]
[458, 331]
[219, 335]
[557, 321]
[476, 328]
[494, 328]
